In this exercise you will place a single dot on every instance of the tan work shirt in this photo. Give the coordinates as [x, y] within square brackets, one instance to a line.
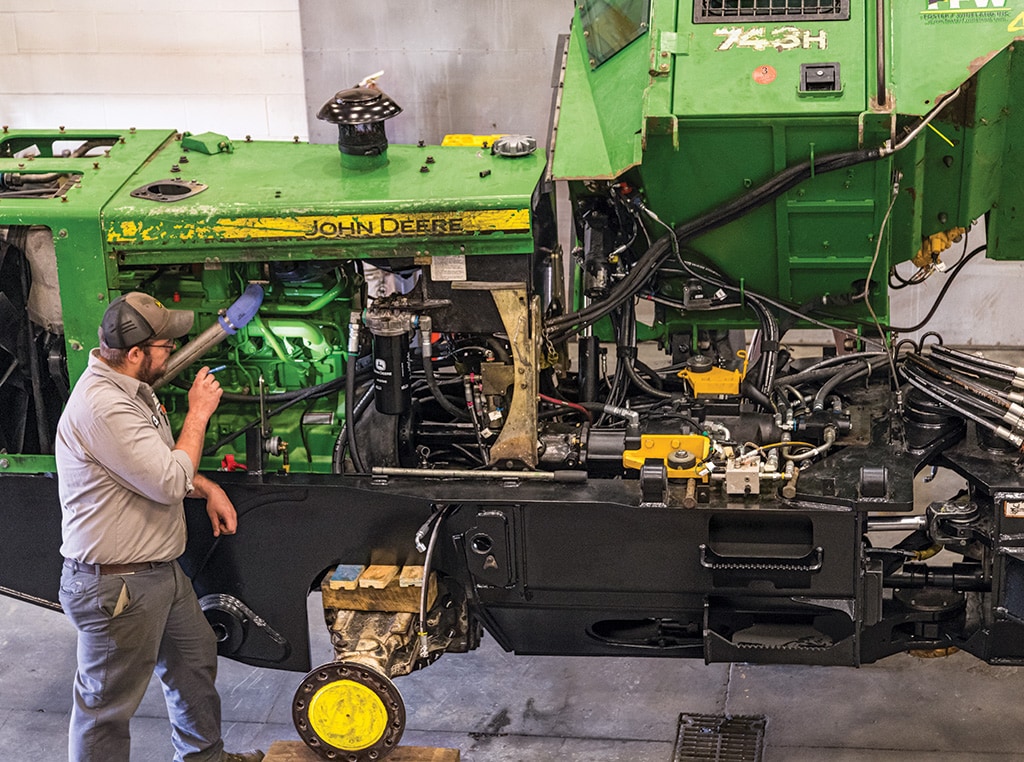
[121, 482]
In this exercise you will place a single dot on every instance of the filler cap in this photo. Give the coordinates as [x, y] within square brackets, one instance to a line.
[514, 146]
[358, 105]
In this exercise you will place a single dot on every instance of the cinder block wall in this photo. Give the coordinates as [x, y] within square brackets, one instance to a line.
[231, 66]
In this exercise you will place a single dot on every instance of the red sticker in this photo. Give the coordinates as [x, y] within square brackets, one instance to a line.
[764, 74]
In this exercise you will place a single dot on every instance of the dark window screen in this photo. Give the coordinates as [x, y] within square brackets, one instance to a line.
[717, 11]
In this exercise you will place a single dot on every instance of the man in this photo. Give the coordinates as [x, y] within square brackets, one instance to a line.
[122, 479]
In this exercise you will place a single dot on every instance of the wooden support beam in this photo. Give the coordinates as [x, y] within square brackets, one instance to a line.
[400, 593]
[296, 751]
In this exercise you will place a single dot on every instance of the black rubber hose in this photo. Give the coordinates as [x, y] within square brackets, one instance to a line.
[625, 352]
[971, 364]
[659, 252]
[350, 418]
[755, 395]
[295, 398]
[807, 376]
[942, 294]
[446, 404]
[958, 398]
[770, 338]
[967, 367]
[826, 368]
[338, 460]
[836, 380]
[966, 383]
[644, 369]
[640, 382]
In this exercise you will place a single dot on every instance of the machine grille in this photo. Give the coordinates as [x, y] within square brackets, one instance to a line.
[716, 11]
[718, 738]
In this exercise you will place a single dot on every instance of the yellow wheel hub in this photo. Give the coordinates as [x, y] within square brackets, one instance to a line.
[348, 715]
[349, 712]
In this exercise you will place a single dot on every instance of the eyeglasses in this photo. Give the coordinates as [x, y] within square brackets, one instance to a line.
[168, 345]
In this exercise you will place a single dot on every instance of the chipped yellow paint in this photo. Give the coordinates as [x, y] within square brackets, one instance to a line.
[127, 231]
[326, 227]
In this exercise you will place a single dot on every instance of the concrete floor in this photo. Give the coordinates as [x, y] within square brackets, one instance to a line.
[498, 707]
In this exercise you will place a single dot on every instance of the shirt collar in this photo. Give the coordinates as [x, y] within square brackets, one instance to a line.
[131, 385]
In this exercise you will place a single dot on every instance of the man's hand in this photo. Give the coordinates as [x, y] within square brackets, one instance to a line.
[203, 398]
[204, 395]
[219, 507]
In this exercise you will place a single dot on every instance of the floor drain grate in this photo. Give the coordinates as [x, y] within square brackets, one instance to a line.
[717, 738]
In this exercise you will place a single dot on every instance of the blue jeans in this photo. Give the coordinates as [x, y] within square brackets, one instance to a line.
[129, 626]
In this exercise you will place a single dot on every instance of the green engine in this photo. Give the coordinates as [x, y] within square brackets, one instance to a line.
[196, 220]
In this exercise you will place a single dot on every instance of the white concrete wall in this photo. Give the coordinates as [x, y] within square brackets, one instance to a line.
[454, 66]
[230, 66]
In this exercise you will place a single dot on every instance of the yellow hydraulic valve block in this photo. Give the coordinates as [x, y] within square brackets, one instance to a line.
[935, 244]
[683, 454]
[711, 381]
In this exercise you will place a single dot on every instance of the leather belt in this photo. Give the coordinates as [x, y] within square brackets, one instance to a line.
[80, 566]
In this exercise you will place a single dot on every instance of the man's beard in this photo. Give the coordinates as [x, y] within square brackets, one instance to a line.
[148, 372]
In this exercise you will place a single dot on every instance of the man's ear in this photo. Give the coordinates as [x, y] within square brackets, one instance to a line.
[136, 354]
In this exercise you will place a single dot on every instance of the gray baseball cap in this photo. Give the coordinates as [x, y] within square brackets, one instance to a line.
[135, 318]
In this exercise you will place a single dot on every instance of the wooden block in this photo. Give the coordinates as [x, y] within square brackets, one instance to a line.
[394, 597]
[377, 576]
[296, 751]
[345, 576]
[412, 576]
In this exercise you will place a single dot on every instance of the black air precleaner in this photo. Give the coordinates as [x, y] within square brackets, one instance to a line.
[360, 113]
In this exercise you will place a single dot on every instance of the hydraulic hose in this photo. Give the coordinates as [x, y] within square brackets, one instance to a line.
[426, 347]
[977, 403]
[755, 395]
[562, 327]
[1000, 431]
[821, 369]
[769, 344]
[338, 462]
[837, 379]
[942, 295]
[663, 248]
[350, 392]
[428, 560]
[230, 320]
[631, 416]
[830, 438]
[287, 400]
[626, 358]
[625, 353]
[957, 380]
[977, 365]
